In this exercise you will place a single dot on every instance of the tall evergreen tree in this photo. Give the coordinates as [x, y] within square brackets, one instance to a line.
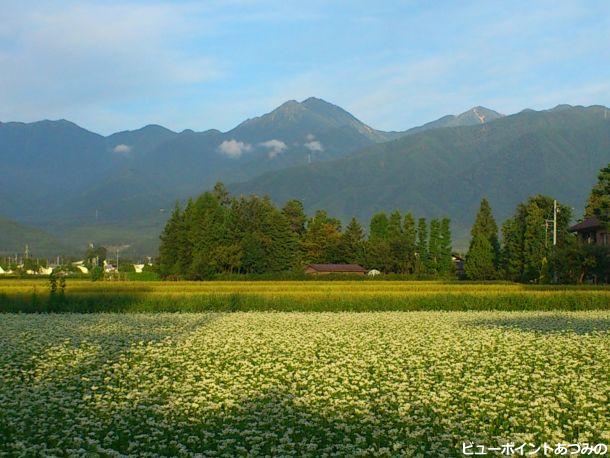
[322, 240]
[434, 245]
[172, 238]
[397, 244]
[422, 246]
[379, 226]
[483, 254]
[598, 204]
[512, 249]
[294, 212]
[410, 237]
[445, 263]
[520, 262]
[535, 243]
[352, 243]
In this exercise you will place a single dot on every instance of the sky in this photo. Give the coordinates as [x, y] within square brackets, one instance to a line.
[117, 65]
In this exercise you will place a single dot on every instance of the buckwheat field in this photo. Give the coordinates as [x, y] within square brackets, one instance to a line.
[300, 384]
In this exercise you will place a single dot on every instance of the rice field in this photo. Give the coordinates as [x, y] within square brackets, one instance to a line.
[86, 296]
[300, 384]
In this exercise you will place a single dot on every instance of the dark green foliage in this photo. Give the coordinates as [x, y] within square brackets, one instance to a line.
[173, 239]
[322, 240]
[422, 246]
[598, 204]
[434, 246]
[379, 226]
[352, 243]
[216, 235]
[483, 254]
[295, 214]
[97, 273]
[576, 262]
[410, 241]
[528, 239]
[445, 262]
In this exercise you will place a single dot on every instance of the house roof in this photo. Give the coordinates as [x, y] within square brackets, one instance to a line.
[586, 225]
[337, 267]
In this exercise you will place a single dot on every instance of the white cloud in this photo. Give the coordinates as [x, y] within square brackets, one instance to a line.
[310, 137]
[275, 147]
[314, 145]
[233, 148]
[122, 149]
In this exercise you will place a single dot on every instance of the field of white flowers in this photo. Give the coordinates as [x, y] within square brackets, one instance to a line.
[324, 384]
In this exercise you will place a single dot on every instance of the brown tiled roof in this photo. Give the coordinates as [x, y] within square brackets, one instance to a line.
[585, 225]
[337, 267]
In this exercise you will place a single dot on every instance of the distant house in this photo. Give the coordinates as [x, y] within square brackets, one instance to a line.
[45, 270]
[2, 271]
[108, 267]
[139, 268]
[325, 269]
[458, 264]
[373, 273]
[80, 265]
[592, 231]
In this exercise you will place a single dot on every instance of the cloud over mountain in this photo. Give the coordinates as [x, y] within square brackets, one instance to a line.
[233, 148]
[275, 147]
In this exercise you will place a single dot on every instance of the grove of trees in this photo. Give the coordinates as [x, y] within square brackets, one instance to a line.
[218, 234]
[527, 253]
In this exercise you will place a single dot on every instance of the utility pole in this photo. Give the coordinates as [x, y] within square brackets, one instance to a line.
[554, 222]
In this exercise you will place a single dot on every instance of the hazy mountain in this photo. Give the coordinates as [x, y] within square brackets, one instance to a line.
[84, 187]
[14, 237]
[139, 141]
[472, 117]
[446, 171]
[63, 177]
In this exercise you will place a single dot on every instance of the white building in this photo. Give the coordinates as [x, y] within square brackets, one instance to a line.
[139, 268]
[80, 265]
[373, 273]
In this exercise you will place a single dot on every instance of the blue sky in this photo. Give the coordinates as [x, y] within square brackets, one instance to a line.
[113, 65]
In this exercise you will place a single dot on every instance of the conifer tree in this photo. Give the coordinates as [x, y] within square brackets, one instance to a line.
[352, 243]
[379, 226]
[170, 246]
[445, 264]
[512, 250]
[410, 238]
[397, 244]
[535, 243]
[322, 240]
[422, 246]
[483, 254]
[294, 212]
[434, 247]
[598, 204]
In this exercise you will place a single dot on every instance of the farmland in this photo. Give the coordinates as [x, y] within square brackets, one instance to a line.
[309, 384]
[339, 295]
[311, 368]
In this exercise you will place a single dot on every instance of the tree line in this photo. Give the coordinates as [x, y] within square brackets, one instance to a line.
[527, 252]
[219, 234]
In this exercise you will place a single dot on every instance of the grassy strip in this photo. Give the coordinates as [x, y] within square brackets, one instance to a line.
[125, 302]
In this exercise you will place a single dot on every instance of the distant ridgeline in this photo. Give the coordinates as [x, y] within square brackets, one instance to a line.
[218, 234]
[119, 189]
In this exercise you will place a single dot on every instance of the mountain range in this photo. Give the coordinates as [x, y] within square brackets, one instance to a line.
[82, 187]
